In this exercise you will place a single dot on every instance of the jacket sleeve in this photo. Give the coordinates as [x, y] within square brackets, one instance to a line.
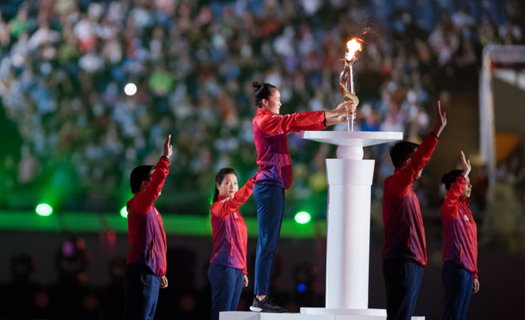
[399, 183]
[450, 207]
[224, 207]
[145, 199]
[285, 124]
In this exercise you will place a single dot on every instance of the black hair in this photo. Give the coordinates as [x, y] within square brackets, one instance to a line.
[262, 91]
[449, 178]
[401, 151]
[139, 174]
[218, 180]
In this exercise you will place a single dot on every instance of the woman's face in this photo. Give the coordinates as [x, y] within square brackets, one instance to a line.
[273, 104]
[468, 190]
[228, 186]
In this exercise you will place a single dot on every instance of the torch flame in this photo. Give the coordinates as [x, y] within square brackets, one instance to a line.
[352, 46]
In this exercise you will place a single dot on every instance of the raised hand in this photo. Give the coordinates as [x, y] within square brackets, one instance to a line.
[168, 148]
[441, 120]
[466, 165]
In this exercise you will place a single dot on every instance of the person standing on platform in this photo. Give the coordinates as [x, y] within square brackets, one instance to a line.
[404, 252]
[275, 175]
[146, 266]
[460, 271]
[227, 273]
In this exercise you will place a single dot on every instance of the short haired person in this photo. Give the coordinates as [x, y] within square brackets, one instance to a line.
[146, 265]
[460, 254]
[404, 252]
[227, 272]
[275, 175]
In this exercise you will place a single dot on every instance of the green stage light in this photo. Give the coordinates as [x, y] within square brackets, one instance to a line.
[124, 212]
[44, 210]
[302, 217]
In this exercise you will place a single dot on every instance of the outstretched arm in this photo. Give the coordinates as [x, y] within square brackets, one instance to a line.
[449, 206]
[147, 197]
[344, 109]
[313, 120]
[336, 120]
[224, 208]
[399, 184]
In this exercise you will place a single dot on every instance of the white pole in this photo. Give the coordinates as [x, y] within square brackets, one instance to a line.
[352, 90]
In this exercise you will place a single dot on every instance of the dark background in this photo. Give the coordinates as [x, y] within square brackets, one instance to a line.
[70, 138]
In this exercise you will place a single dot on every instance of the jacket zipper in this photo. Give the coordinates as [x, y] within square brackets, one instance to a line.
[152, 245]
[409, 236]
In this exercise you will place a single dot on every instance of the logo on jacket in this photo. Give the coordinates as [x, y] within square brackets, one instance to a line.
[465, 217]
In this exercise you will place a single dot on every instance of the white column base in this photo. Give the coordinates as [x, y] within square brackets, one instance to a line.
[348, 232]
[311, 314]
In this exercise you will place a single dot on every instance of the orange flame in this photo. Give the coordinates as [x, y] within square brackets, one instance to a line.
[352, 46]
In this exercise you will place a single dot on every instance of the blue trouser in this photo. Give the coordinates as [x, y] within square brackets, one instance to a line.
[141, 292]
[226, 286]
[270, 208]
[402, 282]
[457, 284]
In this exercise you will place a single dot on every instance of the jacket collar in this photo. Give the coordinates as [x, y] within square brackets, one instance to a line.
[220, 198]
[464, 201]
[261, 111]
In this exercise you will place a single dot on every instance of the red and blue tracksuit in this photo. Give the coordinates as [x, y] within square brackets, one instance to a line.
[460, 253]
[146, 262]
[228, 258]
[273, 177]
[404, 252]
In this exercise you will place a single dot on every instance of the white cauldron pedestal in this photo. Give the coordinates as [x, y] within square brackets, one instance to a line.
[348, 231]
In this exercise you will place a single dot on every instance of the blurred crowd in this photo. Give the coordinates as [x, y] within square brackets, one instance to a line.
[64, 65]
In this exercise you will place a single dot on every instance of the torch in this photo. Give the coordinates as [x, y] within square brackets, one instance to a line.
[346, 79]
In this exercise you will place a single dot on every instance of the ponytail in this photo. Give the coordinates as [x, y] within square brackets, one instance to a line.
[449, 178]
[262, 91]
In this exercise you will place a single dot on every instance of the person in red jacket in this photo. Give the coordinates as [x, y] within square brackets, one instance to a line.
[146, 265]
[227, 273]
[404, 252]
[460, 271]
[275, 175]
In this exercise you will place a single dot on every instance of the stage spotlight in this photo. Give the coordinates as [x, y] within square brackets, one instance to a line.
[302, 217]
[44, 210]
[124, 212]
[130, 89]
[301, 287]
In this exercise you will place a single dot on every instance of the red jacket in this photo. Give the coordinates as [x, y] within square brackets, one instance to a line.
[230, 235]
[269, 132]
[146, 230]
[402, 221]
[461, 243]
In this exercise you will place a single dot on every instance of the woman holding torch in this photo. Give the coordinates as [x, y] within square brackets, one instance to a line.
[275, 175]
